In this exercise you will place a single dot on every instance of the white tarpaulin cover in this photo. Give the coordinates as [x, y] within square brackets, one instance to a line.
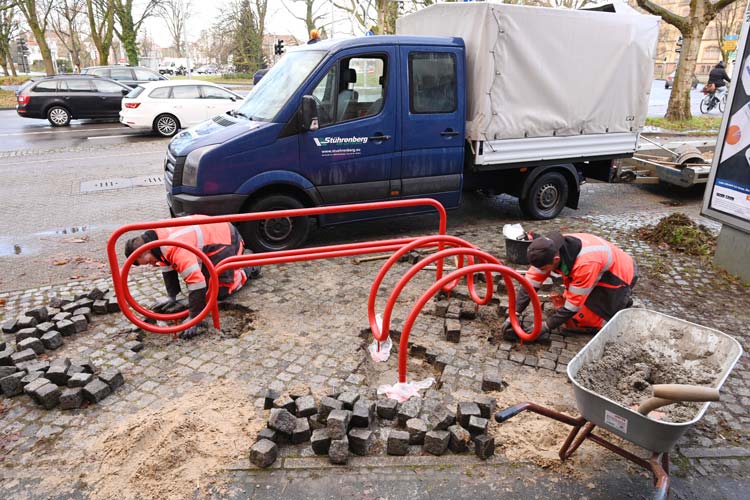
[539, 72]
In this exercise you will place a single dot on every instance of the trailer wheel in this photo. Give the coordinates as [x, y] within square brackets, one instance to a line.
[270, 235]
[547, 196]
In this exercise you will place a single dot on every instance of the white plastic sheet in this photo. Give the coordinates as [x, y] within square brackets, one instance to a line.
[382, 354]
[514, 231]
[403, 391]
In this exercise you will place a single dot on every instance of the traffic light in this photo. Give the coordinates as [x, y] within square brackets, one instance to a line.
[678, 49]
[278, 48]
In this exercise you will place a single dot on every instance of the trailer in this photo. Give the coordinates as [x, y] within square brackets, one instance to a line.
[683, 163]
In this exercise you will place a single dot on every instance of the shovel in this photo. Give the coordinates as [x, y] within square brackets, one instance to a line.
[667, 394]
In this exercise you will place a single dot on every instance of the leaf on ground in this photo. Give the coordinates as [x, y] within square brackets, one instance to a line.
[84, 239]
[60, 262]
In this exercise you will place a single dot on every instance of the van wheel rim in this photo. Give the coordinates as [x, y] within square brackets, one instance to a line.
[548, 196]
[58, 116]
[166, 125]
[277, 230]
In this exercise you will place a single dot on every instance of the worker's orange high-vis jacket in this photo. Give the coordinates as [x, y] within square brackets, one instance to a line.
[217, 241]
[598, 263]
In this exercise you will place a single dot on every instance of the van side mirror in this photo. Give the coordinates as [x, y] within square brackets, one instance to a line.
[309, 113]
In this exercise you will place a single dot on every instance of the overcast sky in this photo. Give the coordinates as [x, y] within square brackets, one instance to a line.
[278, 20]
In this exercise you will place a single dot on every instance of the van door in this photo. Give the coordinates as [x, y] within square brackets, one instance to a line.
[433, 123]
[351, 156]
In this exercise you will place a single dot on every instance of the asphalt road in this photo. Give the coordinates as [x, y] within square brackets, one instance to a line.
[28, 133]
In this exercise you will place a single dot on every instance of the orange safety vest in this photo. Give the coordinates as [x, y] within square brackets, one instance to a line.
[218, 241]
[599, 263]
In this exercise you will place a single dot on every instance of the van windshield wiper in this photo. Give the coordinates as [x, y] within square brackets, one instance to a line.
[243, 115]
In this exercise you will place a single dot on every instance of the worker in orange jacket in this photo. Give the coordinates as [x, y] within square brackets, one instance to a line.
[598, 277]
[218, 241]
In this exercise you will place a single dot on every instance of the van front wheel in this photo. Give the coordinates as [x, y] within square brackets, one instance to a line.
[282, 233]
[546, 197]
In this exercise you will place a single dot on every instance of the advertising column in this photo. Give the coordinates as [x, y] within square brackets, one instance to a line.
[727, 196]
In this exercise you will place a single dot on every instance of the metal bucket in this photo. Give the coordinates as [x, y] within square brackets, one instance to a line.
[627, 423]
[515, 251]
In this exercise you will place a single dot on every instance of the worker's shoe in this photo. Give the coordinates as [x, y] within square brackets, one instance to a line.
[252, 272]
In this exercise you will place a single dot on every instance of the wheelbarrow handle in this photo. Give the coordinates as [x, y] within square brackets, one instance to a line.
[510, 412]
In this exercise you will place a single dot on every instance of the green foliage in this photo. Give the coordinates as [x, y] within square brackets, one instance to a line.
[247, 54]
[697, 124]
[7, 99]
[680, 234]
[14, 80]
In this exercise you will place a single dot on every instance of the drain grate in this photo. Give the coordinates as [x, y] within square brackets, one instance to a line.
[119, 183]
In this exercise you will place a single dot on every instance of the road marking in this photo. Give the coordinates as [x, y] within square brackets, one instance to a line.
[63, 132]
[93, 138]
[59, 160]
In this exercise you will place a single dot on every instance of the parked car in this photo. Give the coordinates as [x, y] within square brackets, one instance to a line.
[62, 98]
[166, 107]
[127, 75]
[669, 82]
[258, 75]
[207, 69]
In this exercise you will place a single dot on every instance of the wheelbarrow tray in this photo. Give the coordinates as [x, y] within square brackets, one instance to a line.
[651, 434]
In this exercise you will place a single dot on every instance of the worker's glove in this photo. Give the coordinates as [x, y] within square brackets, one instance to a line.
[543, 334]
[508, 332]
[193, 331]
[164, 304]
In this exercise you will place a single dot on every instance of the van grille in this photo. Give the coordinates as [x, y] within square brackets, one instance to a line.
[173, 166]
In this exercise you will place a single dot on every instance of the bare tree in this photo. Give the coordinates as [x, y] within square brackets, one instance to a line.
[312, 12]
[130, 24]
[728, 22]
[692, 26]
[8, 30]
[101, 16]
[66, 22]
[37, 14]
[175, 14]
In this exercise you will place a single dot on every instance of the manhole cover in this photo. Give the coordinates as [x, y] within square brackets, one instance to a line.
[119, 183]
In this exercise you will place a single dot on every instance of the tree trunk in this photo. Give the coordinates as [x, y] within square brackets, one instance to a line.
[4, 62]
[41, 41]
[128, 37]
[679, 101]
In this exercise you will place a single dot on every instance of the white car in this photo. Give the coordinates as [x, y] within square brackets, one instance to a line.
[167, 106]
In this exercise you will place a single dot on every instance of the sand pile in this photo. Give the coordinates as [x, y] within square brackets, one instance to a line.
[175, 451]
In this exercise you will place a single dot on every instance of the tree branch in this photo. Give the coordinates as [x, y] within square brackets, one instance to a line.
[720, 4]
[679, 22]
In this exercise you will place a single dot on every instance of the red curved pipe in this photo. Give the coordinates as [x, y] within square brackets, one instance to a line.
[459, 273]
[211, 292]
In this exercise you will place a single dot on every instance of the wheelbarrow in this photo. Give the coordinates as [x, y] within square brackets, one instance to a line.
[648, 432]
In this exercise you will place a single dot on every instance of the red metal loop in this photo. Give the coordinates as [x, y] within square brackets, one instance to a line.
[212, 292]
[506, 272]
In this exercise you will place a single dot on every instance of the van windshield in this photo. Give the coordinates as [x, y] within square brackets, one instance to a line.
[267, 98]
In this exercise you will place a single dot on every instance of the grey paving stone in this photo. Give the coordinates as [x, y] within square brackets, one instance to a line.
[517, 357]
[487, 406]
[283, 421]
[264, 453]
[409, 409]
[452, 330]
[31, 343]
[417, 428]
[97, 293]
[79, 323]
[80, 379]
[21, 356]
[52, 340]
[269, 395]
[133, 345]
[484, 446]
[40, 314]
[99, 306]
[338, 451]
[387, 408]
[306, 406]
[30, 377]
[61, 316]
[112, 305]
[398, 443]
[31, 387]
[9, 326]
[82, 311]
[65, 327]
[436, 442]
[71, 398]
[362, 414]
[27, 333]
[465, 410]
[35, 365]
[96, 390]
[7, 370]
[477, 426]
[112, 377]
[268, 433]
[48, 395]
[348, 399]
[360, 441]
[320, 441]
[547, 364]
[45, 327]
[286, 403]
[86, 364]
[58, 374]
[302, 431]
[338, 423]
[492, 381]
[6, 356]
[441, 308]
[11, 385]
[459, 439]
[26, 322]
[531, 361]
[299, 390]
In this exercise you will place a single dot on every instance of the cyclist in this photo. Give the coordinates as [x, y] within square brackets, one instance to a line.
[717, 76]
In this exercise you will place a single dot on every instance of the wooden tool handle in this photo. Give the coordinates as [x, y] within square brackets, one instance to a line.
[681, 392]
[653, 403]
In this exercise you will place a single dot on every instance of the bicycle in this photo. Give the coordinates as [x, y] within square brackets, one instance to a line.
[711, 100]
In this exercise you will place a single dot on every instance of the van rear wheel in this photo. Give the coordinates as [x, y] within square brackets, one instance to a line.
[282, 233]
[547, 196]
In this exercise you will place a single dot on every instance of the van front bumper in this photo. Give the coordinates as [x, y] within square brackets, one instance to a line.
[221, 204]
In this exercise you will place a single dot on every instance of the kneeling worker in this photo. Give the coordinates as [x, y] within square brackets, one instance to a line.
[598, 277]
[218, 241]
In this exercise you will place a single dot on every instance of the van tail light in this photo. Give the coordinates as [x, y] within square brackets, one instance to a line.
[23, 100]
[132, 105]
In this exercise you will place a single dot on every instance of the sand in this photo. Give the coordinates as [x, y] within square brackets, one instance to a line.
[171, 452]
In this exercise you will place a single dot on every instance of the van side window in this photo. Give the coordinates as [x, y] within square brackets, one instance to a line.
[432, 82]
[324, 94]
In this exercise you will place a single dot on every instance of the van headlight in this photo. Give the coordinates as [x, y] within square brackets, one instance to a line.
[192, 162]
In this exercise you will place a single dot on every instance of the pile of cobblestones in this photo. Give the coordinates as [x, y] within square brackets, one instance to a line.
[340, 424]
[28, 369]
